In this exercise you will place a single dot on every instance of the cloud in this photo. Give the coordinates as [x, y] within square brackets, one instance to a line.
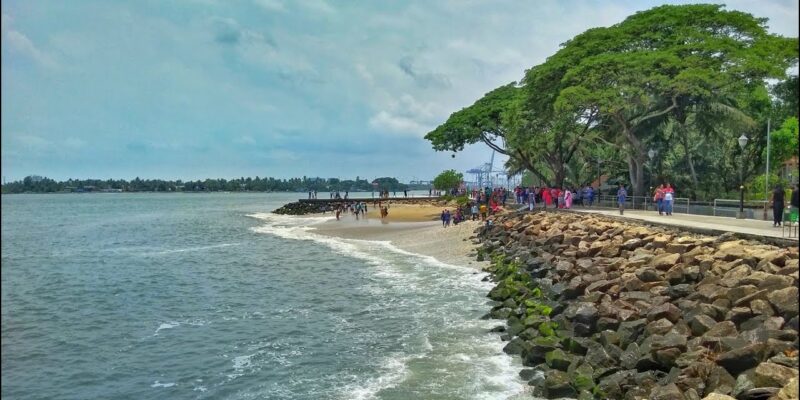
[21, 44]
[270, 5]
[226, 31]
[423, 78]
[406, 115]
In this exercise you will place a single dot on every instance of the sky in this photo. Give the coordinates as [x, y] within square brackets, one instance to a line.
[198, 89]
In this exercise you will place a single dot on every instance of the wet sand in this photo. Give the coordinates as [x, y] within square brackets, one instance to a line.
[413, 228]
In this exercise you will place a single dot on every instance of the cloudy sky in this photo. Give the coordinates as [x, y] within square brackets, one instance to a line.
[211, 88]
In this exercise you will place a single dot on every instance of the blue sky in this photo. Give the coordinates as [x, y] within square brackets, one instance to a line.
[212, 88]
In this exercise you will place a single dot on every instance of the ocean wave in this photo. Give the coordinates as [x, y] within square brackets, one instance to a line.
[394, 369]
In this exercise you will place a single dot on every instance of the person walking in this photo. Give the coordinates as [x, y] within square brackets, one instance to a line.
[621, 195]
[658, 198]
[669, 194]
[447, 218]
[590, 194]
[777, 200]
[442, 218]
[531, 199]
[567, 197]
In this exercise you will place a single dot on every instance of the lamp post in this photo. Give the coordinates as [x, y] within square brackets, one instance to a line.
[651, 153]
[742, 142]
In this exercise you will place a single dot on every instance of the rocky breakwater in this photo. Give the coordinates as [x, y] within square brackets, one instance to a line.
[314, 207]
[600, 308]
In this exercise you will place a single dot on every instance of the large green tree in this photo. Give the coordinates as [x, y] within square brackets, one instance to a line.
[447, 180]
[663, 62]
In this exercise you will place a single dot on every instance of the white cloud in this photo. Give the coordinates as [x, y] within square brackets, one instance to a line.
[271, 5]
[21, 44]
[385, 121]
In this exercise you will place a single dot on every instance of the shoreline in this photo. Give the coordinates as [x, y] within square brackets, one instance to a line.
[411, 229]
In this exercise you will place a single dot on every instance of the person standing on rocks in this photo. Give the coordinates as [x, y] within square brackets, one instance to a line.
[777, 200]
[622, 194]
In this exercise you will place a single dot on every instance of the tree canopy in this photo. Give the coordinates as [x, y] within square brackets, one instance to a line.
[447, 180]
[681, 82]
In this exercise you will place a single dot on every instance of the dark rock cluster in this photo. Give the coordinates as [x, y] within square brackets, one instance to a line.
[298, 208]
[600, 308]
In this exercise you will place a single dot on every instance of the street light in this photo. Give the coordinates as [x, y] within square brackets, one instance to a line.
[742, 142]
[651, 153]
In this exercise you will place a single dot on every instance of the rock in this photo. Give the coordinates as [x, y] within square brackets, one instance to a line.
[785, 301]
[658, 327]
[776, 282]
[743, 358]
[667, 311]
[557, 384]
[768, 374]
[719, 380]
[786, 361]
[761, 307]
[558, 359]
[528, 373]
[701, 324]
[664, 261]
[762, 393]
[515, 346]
[597, 356]
[678, 248]
[583, 312]
[789, 391]
[668, 392]
[717, 396]
[648, 274]
[722, 329]
[629, 331]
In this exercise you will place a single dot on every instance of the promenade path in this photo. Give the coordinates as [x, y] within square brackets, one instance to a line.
[721, 224]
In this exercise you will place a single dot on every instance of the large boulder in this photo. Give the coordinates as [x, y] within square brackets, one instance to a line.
[664, 261]
[785, 301]
[769, 374]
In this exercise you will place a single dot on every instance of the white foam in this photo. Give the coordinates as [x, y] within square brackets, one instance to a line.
[197, 248]
[167, 325]
[394, 371]
[242, 362]
[165, 385]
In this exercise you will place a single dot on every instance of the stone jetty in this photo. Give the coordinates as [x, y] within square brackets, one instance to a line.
[314, 206]
[600, 308]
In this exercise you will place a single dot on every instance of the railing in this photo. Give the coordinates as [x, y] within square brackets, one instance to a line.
[732, 209]
[754, 209]
[645, 203]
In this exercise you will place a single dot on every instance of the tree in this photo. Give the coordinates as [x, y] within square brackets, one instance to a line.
[644, 70]
[480, 122]
[784, 142]
[447, 180]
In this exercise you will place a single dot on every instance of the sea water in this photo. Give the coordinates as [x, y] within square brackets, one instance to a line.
[210, 296]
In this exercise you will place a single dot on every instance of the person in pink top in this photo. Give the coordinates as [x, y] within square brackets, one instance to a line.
[669, 194]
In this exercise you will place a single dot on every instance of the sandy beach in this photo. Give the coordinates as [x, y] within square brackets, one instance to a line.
[413, 228]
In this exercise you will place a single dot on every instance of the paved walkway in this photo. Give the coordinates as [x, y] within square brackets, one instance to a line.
[746, 226]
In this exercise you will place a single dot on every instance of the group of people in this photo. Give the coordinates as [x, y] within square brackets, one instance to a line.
[663, 197]
[446, 217]
[355, 208]
[564, 197]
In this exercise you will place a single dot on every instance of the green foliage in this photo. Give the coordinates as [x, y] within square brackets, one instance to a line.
[304, 184]
[449, 179]
[684, 80]
[756, 190]
[783, 143]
